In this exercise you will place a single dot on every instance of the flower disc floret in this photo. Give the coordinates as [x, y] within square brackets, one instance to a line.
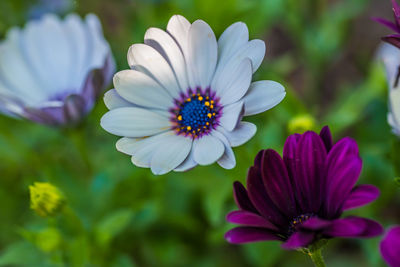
[195, 115]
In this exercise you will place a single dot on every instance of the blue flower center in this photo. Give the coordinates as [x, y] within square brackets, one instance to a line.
[195, 115]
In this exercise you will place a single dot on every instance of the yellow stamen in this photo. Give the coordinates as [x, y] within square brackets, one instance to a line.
[200, 98]
[207, 103]
[189, 99]
[209, 115]
[189, 128]
[179, 117]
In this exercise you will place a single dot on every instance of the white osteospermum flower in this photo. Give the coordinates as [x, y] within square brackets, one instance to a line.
[181, 103]
[53, 70]
[391, 59]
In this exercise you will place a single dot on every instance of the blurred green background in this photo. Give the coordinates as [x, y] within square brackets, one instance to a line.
[323, 51]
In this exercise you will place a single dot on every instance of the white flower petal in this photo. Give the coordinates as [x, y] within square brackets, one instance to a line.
[203, 53]
[169, 49]
[262, 95]
[227, 160]
[113, 100]
[207, 149]
[171, 153]
[390, 56]
[240, 135]
[134, 122]
[48, 50]
[138, 88]
[255, 50]
[230, 41]
[393, 123]
[394, 105]
[142, 149]
[187, 164]
[79, 39]
[148, 60]
[233, 82]
[231, 115]
[16, 76]
[178, 26]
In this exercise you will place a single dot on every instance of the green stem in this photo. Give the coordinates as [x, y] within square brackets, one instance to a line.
[316, 257]
[78, 138]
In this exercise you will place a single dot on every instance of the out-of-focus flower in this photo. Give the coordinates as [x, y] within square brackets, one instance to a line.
[390, 247]
[299, 199]
[46, 199]
[53, 70]
[182, 102]
[391, 58]
[301, 123]
[393, 39]
[43, 7]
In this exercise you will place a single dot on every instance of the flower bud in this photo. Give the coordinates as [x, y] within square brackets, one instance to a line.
[301, 123]
[46, 199]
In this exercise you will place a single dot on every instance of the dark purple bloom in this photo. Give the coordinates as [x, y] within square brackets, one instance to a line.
[393, 39]
[299, 199]
[390, 247]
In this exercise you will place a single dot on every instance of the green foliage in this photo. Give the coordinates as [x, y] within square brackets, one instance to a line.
[121, 215]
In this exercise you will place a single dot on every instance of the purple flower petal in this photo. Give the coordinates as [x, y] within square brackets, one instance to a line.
[360, 196]
[74, 108]
[52, 116]
[342, 169]
[315, 224]
[299, 240]
[353, 227]
[326, 137]
[289, 153]
[340, 181]
[257, 159]
[396, 11]
[392, 39]
[261, 200]
[249, 219]
[310, 159]
[390, 247]
[387, 23]
[242, 198]
[277, 182]
[240, 235]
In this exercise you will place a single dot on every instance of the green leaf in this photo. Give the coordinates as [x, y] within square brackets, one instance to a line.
[112, 225]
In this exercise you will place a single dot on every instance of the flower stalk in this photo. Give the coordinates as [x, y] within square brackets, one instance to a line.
[316, 257]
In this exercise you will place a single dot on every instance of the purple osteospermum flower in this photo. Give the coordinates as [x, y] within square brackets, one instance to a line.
[299, 199]
[182, 102]
[390, 247]
[53, 70]
[393, 39]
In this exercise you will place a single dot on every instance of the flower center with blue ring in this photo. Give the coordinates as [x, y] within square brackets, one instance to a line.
[195, 114]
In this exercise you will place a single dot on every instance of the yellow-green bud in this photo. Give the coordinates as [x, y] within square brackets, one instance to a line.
[301, 123]
[46, 199]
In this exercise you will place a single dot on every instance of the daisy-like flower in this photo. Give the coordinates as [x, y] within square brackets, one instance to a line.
[53, 70]
[181, 103]
[299, 199]
[393, 39]
[390, 247]
[390, 56]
